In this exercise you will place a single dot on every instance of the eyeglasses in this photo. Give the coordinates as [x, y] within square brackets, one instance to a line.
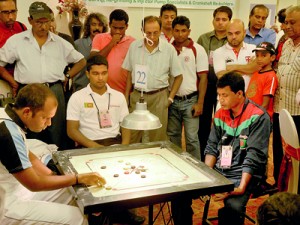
[41, 23]
[7, 12]
[152, 34]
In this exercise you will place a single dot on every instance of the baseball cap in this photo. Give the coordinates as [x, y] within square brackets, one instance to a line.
[265, 46]
[39, 10]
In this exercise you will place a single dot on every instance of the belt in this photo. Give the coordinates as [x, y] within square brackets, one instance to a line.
[48, 84]
[152, 92]
[185, 97]
[53, 83]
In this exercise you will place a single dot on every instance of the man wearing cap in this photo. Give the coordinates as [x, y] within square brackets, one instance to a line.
[41, 57]
[8, 27]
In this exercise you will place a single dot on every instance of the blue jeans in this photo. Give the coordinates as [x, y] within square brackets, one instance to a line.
[180, 112]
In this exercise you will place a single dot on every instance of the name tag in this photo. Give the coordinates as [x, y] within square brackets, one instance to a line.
[105, 119]
[226, 156]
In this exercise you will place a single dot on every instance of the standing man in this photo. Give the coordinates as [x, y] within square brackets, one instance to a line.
[289, 83]
[8, 27]
[189, 99]
[168, 13]
[33, 193]
[114, 47]
[41, 57]
[256, 32]
[144, 56]
[95, 23]
[235, 53]
[210, 42]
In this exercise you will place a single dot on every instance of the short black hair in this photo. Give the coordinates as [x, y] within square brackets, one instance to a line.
[33, 96]
[281, 208]
[181, 20]
[232, 79]
[118, 15]
[281, 15]
[259, 6]
[224, 9]
[168, 7]
[96, 60]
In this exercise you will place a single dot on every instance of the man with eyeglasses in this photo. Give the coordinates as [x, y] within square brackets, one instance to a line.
[41, 57]
[8, 27]
[153, 61]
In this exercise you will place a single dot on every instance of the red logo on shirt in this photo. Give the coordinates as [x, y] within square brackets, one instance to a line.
[187, 59]
[247, 58]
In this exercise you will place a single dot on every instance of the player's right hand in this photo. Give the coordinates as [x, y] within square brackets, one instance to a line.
[116, 38]
[91, 179]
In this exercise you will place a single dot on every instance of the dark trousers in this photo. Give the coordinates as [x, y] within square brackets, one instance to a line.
[182, 212]
[205, 120]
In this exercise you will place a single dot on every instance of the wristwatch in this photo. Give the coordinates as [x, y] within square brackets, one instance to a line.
[67, 75]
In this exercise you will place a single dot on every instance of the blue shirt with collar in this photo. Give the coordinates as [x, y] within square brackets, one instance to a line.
[263, 35]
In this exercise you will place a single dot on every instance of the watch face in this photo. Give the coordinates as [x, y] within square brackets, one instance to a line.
[68, 75]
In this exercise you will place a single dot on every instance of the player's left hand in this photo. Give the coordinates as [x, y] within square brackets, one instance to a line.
[197, 109]
[237, 191]
[91, 179]
[221, 196]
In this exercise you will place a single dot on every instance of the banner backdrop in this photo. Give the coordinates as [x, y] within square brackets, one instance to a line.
[192, 4]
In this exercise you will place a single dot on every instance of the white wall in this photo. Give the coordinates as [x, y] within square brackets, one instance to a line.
[201, 19]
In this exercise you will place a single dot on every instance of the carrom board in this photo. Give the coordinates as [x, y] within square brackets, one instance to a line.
[169, 172]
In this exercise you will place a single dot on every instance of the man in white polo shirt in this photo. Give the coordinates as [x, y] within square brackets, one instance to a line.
[95, 112]
[235, 55]
[94, 115]
[189, 99]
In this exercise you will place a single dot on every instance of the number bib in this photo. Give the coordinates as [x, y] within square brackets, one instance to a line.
[141, 72]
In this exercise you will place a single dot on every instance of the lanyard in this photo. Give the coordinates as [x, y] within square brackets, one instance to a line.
[237, 126]
[96, 104]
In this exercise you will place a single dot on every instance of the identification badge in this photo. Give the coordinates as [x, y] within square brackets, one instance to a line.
[141, 72]
[226, 156]
[105, 119]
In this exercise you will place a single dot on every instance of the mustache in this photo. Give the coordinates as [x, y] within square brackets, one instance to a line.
[94, 31]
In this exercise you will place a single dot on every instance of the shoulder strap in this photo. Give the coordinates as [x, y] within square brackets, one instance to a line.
[22, 26]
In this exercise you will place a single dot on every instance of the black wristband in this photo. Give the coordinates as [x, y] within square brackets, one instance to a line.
[67, 75]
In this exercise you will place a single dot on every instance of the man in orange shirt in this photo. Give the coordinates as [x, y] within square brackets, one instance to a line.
[114, 47]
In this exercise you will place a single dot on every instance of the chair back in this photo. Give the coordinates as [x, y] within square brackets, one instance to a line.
[291, 146]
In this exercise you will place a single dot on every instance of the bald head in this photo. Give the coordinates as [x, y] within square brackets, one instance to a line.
[237, 24]
[236, 33]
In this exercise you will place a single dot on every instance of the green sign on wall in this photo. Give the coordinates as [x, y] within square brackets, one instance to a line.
[193, 4]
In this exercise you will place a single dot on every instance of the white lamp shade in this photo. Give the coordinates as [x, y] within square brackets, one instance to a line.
[141, 119]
